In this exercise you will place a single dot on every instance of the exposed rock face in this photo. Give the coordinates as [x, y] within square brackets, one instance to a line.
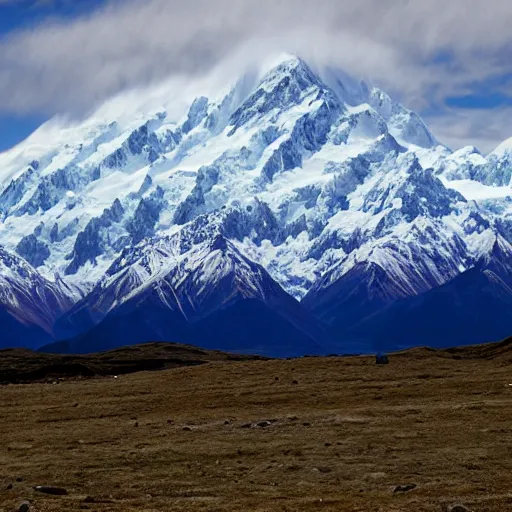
[142, 224]
[91, 242]
[33, 250]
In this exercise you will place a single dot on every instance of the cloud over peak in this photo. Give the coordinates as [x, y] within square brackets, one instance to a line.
[422, 52]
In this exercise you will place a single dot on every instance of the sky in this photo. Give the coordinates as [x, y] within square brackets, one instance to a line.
[449, 61]
[18, 16]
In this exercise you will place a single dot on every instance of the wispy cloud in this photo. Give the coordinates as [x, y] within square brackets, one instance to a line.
[423, 52]
[483, 128]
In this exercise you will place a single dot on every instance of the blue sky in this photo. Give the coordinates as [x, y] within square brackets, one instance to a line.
[19, 15]
[26, 13]
[448, 61]
[13, 17]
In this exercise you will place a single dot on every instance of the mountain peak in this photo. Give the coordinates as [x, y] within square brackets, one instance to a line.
[288, 84]
[503, 149]
[281, 59]
[219, 243]
[288, 67]
[500, 252]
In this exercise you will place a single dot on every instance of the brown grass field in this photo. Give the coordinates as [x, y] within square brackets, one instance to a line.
[313, 434]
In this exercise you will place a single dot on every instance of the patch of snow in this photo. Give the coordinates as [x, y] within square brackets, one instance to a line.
[476, 191]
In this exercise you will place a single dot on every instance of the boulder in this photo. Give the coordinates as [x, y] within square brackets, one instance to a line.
[457, 508]
[405, 488]
[381, 359]
[55, 491]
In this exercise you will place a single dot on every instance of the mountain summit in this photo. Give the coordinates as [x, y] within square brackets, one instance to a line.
[305, 203]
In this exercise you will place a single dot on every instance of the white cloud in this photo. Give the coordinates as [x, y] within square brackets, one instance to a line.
[485, 129]
[401, 44]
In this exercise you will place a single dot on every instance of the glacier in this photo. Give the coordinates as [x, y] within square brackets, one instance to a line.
[294, 194]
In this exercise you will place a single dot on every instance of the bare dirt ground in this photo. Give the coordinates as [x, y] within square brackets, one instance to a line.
[18, 366]
[315, 434]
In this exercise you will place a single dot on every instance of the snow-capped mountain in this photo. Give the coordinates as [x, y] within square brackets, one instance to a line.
[29, 304]
[474, 307]
[290, 184]
[211, 295]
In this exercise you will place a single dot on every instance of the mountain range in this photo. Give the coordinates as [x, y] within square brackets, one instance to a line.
[294, 211]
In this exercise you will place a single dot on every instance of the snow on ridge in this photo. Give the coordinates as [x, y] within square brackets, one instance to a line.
[338, 168]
